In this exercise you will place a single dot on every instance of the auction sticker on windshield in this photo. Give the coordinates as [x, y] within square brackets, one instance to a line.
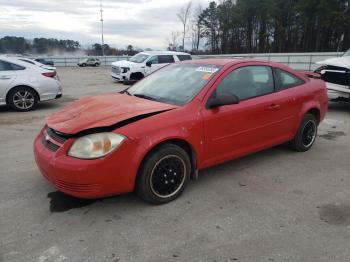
[205, 69]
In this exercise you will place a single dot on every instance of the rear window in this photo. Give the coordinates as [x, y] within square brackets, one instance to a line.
[166, 59]
[184, 57]
[6, 66]
[286, 80]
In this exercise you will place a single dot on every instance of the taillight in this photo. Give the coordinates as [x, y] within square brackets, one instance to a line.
[49, 74]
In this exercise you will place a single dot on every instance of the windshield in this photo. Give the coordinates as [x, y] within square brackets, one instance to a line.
[347, 53]
[174, 84]
[139, 58]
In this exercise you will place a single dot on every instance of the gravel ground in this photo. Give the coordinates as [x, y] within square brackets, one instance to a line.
[276, 205]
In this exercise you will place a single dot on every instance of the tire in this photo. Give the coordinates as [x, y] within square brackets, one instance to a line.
[306, 134]
[136, 76]
[164, 174]
[83, 65]
[22, 99]
[96, 64]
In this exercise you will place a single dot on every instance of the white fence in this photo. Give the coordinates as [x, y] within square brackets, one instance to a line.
[298, 61]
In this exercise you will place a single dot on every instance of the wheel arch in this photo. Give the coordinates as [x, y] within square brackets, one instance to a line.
[316, 113]
[138, 74]
[30, 87]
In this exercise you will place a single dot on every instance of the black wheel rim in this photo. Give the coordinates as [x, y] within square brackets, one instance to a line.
[309, 133]
[168, 176]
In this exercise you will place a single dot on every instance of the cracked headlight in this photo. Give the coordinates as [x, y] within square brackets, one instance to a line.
[95, 145]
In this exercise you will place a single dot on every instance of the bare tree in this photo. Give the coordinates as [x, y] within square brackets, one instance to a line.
[184, 15]
[196, 28]
[173, 41]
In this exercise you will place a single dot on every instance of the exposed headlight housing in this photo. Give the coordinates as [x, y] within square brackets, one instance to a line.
[95, 145]
[125, 69]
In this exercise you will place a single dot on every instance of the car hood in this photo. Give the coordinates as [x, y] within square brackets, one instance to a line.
[102, 111]
[337, 61]
[125, 63]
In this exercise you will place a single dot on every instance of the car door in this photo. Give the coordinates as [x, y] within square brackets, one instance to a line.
[253, 124]
[7, 76]
[159, 61]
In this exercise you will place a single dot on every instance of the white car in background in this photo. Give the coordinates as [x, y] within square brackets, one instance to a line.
[23, 85]
[145, 63]
[336, 73]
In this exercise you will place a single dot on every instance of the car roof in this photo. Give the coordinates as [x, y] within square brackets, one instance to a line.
[15, 60]
[164, 53]
[229, 61]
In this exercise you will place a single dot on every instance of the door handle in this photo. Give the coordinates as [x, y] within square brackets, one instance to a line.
[273, 107]
[4, 77]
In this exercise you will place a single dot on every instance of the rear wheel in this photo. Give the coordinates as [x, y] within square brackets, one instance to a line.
[164, 174]
[306, 134]
[22, 99]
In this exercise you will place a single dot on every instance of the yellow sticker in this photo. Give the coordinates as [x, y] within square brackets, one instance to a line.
[206, 76]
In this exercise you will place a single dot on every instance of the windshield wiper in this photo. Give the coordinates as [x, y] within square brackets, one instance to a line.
[126, 92]
[146, 97]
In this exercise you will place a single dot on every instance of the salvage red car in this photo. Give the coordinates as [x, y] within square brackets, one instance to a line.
[156, 135]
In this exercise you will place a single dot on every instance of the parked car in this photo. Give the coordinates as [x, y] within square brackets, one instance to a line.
[23, 85]
[183, 118]
[34, 62]
[45, 61]
[336, 73]
[90, 62]
[145, 63]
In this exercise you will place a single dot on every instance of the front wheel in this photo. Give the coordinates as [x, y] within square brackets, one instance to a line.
[306, 134]
[164, 174]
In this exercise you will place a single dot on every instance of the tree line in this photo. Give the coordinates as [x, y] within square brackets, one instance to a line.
[251, 26]
[20, 45]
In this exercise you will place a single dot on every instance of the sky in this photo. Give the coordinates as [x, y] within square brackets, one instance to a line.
[141, 23]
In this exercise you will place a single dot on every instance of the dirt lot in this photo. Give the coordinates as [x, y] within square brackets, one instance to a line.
[276, 205]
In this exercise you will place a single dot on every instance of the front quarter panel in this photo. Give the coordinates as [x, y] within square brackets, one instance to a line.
[184, 123]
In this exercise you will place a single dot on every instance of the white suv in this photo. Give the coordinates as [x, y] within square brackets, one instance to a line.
[145, 63]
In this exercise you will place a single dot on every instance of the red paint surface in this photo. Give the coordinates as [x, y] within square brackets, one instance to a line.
[215, 135]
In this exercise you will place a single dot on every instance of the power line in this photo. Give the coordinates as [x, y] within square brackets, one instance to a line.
[102, 36]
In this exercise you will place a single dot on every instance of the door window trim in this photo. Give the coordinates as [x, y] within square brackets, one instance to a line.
[230, 70]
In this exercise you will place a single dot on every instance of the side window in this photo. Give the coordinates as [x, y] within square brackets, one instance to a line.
[248, 82]
[166, 59]
[154, 60]
[184, 57]
[286, 80]
[6, 66]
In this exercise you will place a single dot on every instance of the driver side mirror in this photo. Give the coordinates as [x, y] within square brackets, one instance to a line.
[222, 99]
[149, 63]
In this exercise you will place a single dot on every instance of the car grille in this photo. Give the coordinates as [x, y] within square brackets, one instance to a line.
[55, 136]
[49, 145]
[75, 187]
[116, 70]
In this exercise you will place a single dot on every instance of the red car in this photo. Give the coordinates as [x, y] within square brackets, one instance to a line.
[183, 118]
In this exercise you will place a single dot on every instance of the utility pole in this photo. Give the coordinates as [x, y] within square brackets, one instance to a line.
[102, 37]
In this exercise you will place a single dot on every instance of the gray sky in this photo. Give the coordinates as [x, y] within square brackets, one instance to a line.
[142, 23]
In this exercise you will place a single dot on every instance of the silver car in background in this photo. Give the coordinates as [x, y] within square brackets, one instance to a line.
[23, 85]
